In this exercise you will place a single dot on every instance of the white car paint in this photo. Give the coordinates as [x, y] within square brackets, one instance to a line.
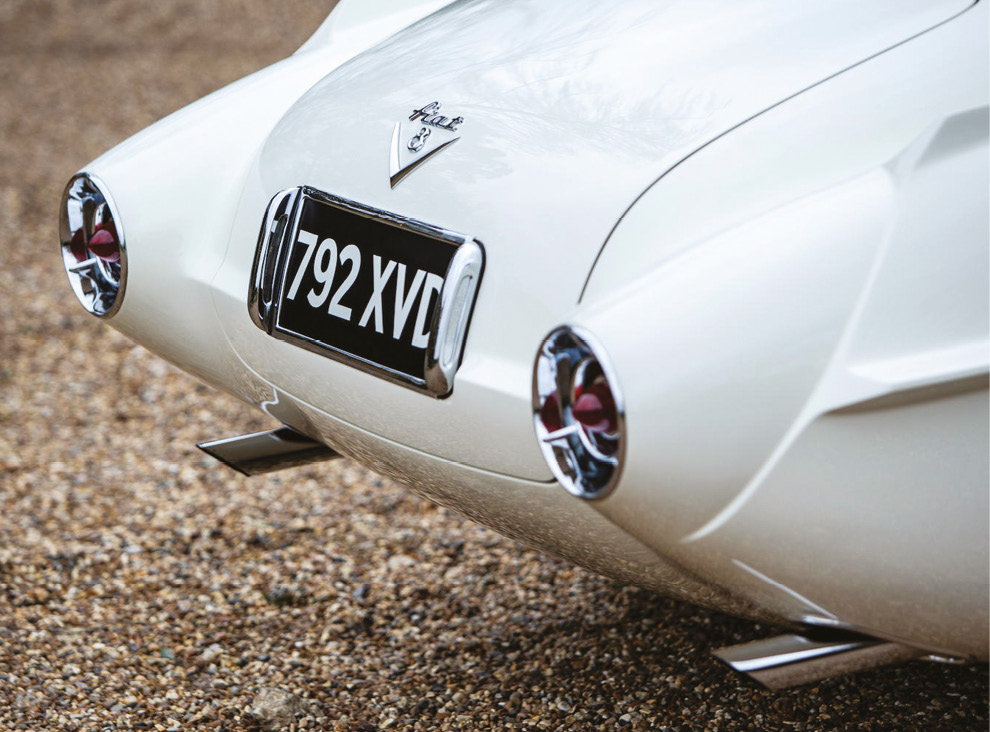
[772, 215]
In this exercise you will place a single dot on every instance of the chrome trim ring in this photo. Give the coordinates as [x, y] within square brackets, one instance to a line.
[97, 275]
[577, 459]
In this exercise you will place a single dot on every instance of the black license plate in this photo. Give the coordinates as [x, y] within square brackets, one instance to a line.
[366, 287]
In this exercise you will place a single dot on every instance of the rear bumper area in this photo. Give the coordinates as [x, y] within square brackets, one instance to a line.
[539, 514]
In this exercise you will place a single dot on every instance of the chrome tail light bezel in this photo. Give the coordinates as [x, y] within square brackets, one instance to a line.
[585, 464]
[97, 281]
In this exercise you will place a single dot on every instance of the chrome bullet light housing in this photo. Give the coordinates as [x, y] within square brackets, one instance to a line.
[92, 242]
[578, 413]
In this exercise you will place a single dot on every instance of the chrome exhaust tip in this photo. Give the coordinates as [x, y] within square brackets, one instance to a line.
[266, 452]
[791, 660]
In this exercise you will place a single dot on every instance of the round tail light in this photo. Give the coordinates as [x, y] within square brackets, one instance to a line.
[578, 413]
[92, 245]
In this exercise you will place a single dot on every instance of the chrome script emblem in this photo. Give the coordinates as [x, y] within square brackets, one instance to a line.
[415, 141]
[429, 115]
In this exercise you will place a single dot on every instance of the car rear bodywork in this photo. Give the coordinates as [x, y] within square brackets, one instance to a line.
[771, 216]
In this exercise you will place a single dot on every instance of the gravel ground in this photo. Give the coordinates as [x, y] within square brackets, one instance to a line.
[143, 586]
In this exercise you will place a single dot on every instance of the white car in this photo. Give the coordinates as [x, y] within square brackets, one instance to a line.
[692, 293]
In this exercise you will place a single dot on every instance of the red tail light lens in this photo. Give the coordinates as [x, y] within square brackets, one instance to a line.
[92, 245]
[77, 245]
[595, 410]
[104, 244]
[550, 413]
[578, 414]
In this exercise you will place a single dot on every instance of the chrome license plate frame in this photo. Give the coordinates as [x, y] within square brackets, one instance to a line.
[387, 294]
